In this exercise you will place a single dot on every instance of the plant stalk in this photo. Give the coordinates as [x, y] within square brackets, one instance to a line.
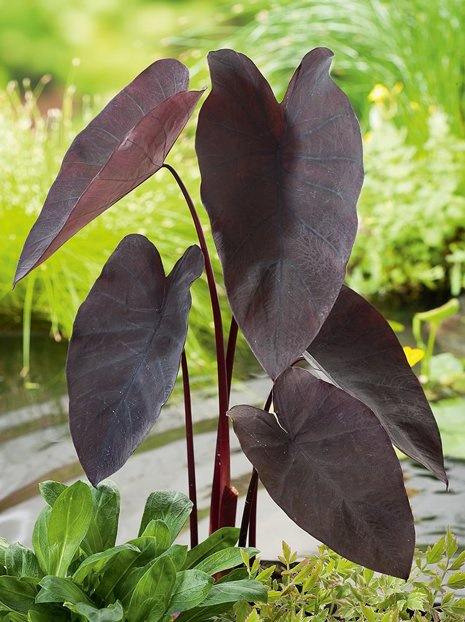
[249, 515]
[222, 470]
[193, 522]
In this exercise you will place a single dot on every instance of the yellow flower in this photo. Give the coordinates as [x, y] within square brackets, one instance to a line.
[414, 355]
[378, 93]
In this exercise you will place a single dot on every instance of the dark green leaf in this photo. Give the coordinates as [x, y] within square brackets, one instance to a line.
[190, 590]
[21, 562]
[201, 614]
[219, 540]
[95, 563]
[152, 593]
[17, 593]
[69, 521]
[104, 526]
[172, 507]
[115, 570]
[59, 590]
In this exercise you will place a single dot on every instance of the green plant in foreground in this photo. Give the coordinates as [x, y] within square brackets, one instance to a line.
[76, 572]
[327, 587]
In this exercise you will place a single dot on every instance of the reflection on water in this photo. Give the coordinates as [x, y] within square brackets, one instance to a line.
[434, 507]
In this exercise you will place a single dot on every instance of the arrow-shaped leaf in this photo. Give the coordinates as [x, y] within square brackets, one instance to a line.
[280, 183]
[123, 146]
[328, 463]
[357, 349]
[125, 351]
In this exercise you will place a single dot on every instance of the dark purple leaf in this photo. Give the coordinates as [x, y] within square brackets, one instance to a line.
[123, 146]
[125, 351]
[359, 352]
[280, 183]
[330, 466]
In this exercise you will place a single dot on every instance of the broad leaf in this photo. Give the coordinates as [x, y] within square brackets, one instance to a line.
[17, 593]
[152, 593]
[123, 146]
[359, 352]
[103, 529]
[69, 521]
[171, 507]
[95, 563]
[190, 590]
[116, 570]
[217, 541]
[60, 590]
[328, 463]
[280, 184]
[51, 490]
[21, 562]
[125, 351]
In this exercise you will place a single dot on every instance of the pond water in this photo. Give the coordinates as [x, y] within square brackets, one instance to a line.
[35, 445]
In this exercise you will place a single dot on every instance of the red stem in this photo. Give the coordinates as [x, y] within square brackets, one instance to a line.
[231, 350]
[249, 515]
[190, 450]
[222, 471]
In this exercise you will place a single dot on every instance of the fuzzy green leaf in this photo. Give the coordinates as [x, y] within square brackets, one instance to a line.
[95, 563]
[51, 490]
[152, 593]
[171, 507]
[190, 590]
[233, 591]
[21, 562]
[59, 590]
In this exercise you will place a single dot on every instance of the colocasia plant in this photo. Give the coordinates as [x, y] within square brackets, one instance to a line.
[280, 182]
[76, 572]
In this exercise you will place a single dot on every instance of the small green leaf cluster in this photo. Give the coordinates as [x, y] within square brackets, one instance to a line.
[76, 571]
[327, 587]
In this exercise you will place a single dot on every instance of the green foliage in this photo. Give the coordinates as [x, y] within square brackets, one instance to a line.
[327, 587]
[125, 35]
[413, 43]
[76, 572]
[411, 210]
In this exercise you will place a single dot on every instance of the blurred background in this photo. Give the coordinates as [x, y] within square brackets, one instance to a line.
[402, 63]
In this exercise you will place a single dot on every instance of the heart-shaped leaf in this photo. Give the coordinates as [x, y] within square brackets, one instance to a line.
[359, 352]
[125, 351]
[280, 184]
[123, 146]
[328, 463]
